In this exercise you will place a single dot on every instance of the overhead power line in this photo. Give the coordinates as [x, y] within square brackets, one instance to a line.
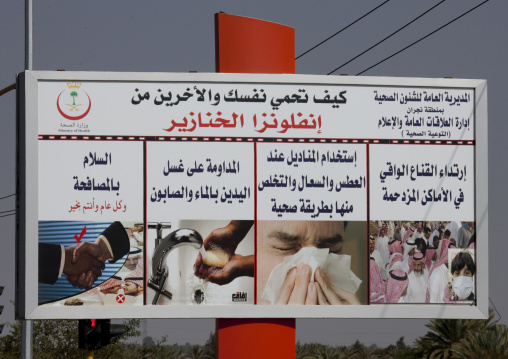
[338, 32]
[7, 89]
[10, 210]
[417, 41]
[8, 196]
[386, 38]
[7, 215]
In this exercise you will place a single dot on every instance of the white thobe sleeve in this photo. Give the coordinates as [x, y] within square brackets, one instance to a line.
[436, 287]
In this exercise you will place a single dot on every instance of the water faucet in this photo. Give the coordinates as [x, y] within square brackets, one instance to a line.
[173, 240]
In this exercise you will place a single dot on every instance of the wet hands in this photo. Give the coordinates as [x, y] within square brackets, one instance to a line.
[225, 240]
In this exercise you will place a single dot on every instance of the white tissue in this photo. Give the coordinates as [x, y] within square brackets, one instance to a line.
[336, 266]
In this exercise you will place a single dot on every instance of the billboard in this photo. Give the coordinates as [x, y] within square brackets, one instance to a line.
[165, 195]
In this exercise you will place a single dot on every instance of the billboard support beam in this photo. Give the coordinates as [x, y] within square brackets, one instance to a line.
[26, 339]
[27, 325]
[261, 52]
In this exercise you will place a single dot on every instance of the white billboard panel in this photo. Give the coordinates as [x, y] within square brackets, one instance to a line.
[160, 195]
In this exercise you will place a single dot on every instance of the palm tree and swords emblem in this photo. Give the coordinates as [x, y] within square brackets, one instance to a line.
[76, 94]
[74, 107]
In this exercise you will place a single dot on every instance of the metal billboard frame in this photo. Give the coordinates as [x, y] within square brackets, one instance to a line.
[27, 205]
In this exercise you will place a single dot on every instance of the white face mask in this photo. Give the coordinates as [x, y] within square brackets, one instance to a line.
[463, 286]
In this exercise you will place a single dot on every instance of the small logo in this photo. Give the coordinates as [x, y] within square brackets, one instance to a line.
[73, 103]
[120, 298]
[239, 297]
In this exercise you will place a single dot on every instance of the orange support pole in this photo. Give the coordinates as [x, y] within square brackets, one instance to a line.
[246, 45]
[255, 338]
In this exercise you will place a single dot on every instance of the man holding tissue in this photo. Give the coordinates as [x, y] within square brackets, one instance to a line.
[302, 262]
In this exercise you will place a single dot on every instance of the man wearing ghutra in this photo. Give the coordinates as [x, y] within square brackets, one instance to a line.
[396, 286]
[377, 286]
[374, 253]
[418, 280]
[409, 233]
[395, 247]
[382, 244]
[395, 262]
[438, 275]
[409, 250]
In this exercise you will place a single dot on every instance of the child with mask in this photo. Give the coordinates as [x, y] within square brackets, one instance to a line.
[463, 269]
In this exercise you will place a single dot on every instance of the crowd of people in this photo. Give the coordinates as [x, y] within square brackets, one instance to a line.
[422, 262]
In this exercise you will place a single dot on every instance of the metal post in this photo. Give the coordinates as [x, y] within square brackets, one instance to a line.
[28, 35]
[145, 330]
[26, 339]
[27, 325]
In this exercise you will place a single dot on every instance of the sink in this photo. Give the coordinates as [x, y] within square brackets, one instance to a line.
[185, 287]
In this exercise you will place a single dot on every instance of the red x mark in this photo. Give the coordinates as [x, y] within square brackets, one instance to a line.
[120, 298]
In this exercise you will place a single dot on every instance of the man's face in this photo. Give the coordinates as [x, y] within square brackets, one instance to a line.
[277, 239]
[435, 243]
[427, 234]
[412, 251]
[418, 266]
[372, 246]
[130, 288]
[132, 262]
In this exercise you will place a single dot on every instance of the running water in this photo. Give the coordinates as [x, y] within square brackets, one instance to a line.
[202, 251]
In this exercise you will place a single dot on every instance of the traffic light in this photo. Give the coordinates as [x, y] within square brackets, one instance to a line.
[94, 334]
[90, 334]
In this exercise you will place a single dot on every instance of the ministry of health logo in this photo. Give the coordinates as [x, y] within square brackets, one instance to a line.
[73, 103]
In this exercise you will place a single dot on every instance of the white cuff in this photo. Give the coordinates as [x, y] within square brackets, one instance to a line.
[62, 261]
[105, 240]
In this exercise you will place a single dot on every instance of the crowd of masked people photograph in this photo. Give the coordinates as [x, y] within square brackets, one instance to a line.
[422, 262]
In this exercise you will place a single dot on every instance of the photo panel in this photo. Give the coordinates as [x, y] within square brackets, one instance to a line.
[412, 261]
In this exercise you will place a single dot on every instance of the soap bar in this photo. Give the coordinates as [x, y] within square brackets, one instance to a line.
[216, 258]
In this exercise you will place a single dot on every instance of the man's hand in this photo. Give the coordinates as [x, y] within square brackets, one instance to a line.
[98, 250]
[237, 266]
[87, 252]
[226, 240]
[222, 239]
[299, 290]
[84, 270]
[329, 294]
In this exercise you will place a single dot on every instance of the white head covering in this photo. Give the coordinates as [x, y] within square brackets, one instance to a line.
[408, 246]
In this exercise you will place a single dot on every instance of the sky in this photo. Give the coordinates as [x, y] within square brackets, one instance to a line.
[170, 36]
